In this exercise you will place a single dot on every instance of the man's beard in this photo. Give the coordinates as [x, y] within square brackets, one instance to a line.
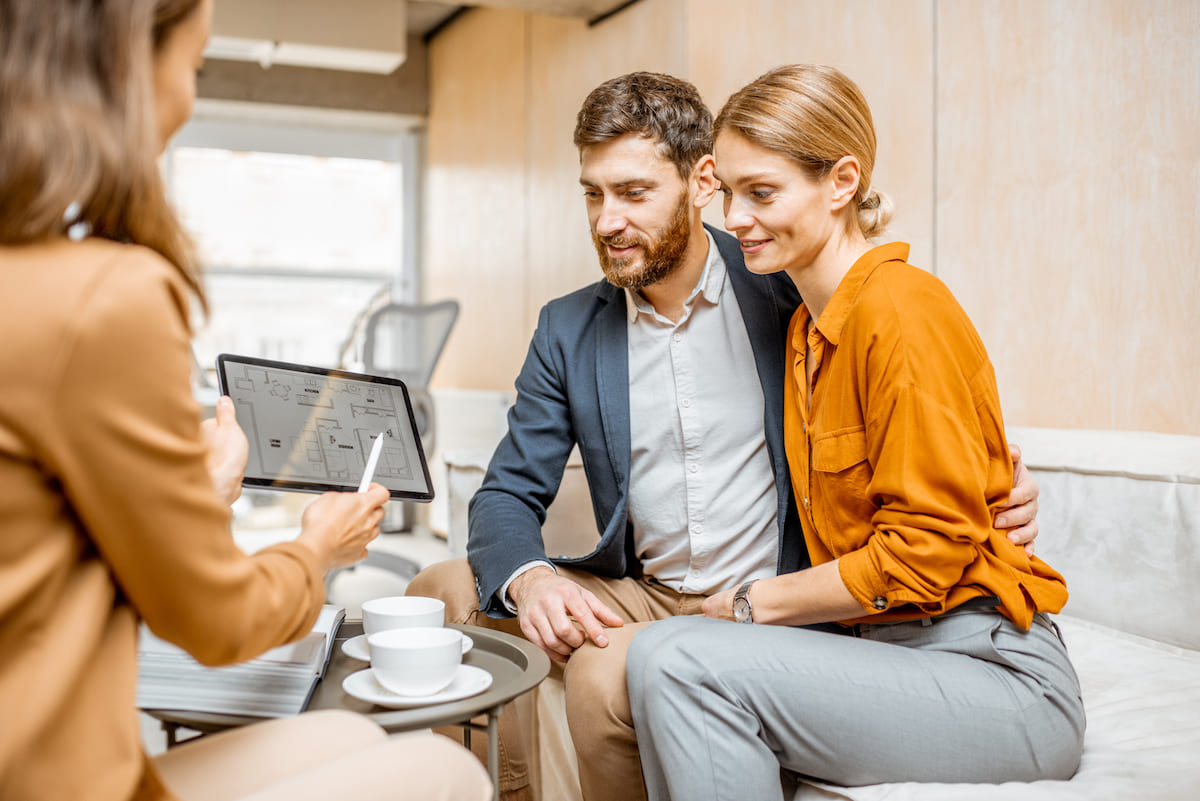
[661, 254]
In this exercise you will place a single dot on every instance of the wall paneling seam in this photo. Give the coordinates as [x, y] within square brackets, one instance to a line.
[935, 268]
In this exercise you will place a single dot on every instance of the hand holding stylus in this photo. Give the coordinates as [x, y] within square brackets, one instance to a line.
[339, 525]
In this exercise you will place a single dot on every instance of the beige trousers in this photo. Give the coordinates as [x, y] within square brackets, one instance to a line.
[319, 756]
[598, 712]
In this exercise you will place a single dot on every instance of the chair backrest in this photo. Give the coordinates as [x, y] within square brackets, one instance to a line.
[405, 340]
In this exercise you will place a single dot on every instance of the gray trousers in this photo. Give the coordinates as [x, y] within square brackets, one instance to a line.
[720, 707]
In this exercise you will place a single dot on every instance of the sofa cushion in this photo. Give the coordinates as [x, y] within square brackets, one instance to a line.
[1143, 730]
[1119, 517]
[570, 528]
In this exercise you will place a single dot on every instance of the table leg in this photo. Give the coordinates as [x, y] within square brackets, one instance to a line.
[493, 749]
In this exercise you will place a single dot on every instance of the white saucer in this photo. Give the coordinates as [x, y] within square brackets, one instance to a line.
[356, 647]
[468, 681]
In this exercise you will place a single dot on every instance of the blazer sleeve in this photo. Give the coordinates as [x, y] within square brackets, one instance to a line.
[506, 514]
[123, 439]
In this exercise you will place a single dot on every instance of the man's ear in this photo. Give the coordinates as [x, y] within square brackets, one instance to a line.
[843, 180]
[703, 182]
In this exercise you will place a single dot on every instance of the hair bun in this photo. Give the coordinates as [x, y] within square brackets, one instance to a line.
[874, 213]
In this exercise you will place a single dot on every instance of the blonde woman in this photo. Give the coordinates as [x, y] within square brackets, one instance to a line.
[114, 501]
[947, 667]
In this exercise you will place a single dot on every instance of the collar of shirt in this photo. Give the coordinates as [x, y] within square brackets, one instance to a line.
[712, 280]
[838, 309]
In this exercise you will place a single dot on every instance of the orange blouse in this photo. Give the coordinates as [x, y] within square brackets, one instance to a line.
[901, 462]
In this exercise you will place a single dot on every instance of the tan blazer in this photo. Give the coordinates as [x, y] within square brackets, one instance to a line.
[108, 515]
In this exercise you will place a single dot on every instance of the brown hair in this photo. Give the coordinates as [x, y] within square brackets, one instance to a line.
[76, 100]
[814, 115]
[662, 108]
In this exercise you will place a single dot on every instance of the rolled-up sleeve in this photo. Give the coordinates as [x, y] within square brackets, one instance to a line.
[932, 483]
[903, 459]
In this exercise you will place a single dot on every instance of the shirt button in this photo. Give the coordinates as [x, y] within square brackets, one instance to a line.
[692, 468]
[806, 504]
[880, 603]
[675, 337]
[686, 403]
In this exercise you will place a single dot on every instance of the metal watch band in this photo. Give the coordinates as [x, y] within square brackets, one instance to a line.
[742, 598]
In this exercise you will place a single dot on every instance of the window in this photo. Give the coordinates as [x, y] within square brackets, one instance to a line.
[300, 225]
[302, 219]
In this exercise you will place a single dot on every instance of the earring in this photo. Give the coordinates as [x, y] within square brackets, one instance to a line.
[76, 231]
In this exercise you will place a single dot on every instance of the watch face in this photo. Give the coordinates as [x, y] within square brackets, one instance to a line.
[741, 610]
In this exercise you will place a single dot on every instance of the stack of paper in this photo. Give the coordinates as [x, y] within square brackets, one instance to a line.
[276, 684]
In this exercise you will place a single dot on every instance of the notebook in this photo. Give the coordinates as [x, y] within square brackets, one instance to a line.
[277, 684]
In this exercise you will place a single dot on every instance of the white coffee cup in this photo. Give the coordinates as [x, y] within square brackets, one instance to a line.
[415, 661]
[402, 611]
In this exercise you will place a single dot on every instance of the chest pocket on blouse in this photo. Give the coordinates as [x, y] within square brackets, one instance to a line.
[840, 474]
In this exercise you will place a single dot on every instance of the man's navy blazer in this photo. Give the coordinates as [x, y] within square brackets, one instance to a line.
[574, 389]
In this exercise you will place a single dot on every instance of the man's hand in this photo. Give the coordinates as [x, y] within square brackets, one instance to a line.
[228, 451]
[546, 602]
[1018, 513]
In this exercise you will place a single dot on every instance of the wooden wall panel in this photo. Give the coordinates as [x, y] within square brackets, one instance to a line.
[1068, 167]
[886, 48]
[1042, 154]
[474, 218]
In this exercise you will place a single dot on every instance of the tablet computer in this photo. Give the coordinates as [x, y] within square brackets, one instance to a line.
[311, 429]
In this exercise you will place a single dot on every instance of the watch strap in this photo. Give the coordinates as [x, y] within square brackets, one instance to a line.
[743, 594]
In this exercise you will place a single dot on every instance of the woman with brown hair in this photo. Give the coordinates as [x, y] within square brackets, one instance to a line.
[947, 668]
[114, 500]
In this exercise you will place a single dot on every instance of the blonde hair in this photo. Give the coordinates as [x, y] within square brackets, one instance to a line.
[814, 115]
[77, 104]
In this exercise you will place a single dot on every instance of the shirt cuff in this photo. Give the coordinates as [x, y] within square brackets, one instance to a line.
[864, 580]
[502, 593]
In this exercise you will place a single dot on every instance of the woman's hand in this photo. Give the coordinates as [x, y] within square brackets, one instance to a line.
[338, 525]
[1019, 513]
[813, 595]
[719, 606]
[228, 451]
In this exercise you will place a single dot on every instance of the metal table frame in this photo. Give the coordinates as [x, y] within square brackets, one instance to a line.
[516, 666]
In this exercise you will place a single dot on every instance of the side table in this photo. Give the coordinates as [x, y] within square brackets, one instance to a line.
[516, 666]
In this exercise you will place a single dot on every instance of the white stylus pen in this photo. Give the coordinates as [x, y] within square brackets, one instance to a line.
[372, 460]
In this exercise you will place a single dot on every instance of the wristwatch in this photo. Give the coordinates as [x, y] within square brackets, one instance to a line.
[742, 611]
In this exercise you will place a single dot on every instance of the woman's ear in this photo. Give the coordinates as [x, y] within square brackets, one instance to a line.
[844, 182]
[704, 182]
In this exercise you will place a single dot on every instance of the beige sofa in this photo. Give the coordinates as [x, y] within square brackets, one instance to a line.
[1120, 517]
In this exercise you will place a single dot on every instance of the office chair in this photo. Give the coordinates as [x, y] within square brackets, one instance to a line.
[405, 341]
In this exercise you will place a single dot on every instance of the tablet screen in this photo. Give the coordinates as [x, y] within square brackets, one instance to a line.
[311, 429]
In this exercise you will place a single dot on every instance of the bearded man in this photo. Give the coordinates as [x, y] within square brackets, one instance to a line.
[668, 375]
